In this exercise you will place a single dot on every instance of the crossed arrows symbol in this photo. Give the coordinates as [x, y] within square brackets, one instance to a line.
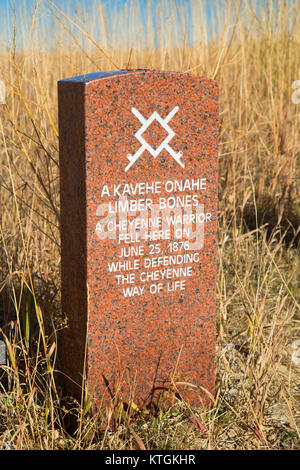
[146, 146]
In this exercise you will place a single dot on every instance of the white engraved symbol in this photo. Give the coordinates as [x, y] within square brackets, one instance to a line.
[146, 146]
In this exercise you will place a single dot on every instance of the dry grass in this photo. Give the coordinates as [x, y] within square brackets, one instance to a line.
[255, 58]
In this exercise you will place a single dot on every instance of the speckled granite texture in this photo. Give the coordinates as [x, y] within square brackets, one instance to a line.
[134, 345]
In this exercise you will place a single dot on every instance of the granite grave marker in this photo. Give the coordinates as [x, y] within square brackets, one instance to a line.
[138, 163]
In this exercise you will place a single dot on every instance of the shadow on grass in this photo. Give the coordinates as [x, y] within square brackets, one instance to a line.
[281, 221]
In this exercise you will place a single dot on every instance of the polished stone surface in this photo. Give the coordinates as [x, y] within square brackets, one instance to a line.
[148, 137]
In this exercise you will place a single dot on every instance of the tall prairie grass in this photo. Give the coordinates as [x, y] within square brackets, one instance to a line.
[252, 49]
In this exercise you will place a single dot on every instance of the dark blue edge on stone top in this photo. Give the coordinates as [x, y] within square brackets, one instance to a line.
[89, 77]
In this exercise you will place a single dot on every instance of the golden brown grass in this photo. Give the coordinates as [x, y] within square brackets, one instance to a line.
[255, 58]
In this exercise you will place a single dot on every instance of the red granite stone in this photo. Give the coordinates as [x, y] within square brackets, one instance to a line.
[139, 345]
